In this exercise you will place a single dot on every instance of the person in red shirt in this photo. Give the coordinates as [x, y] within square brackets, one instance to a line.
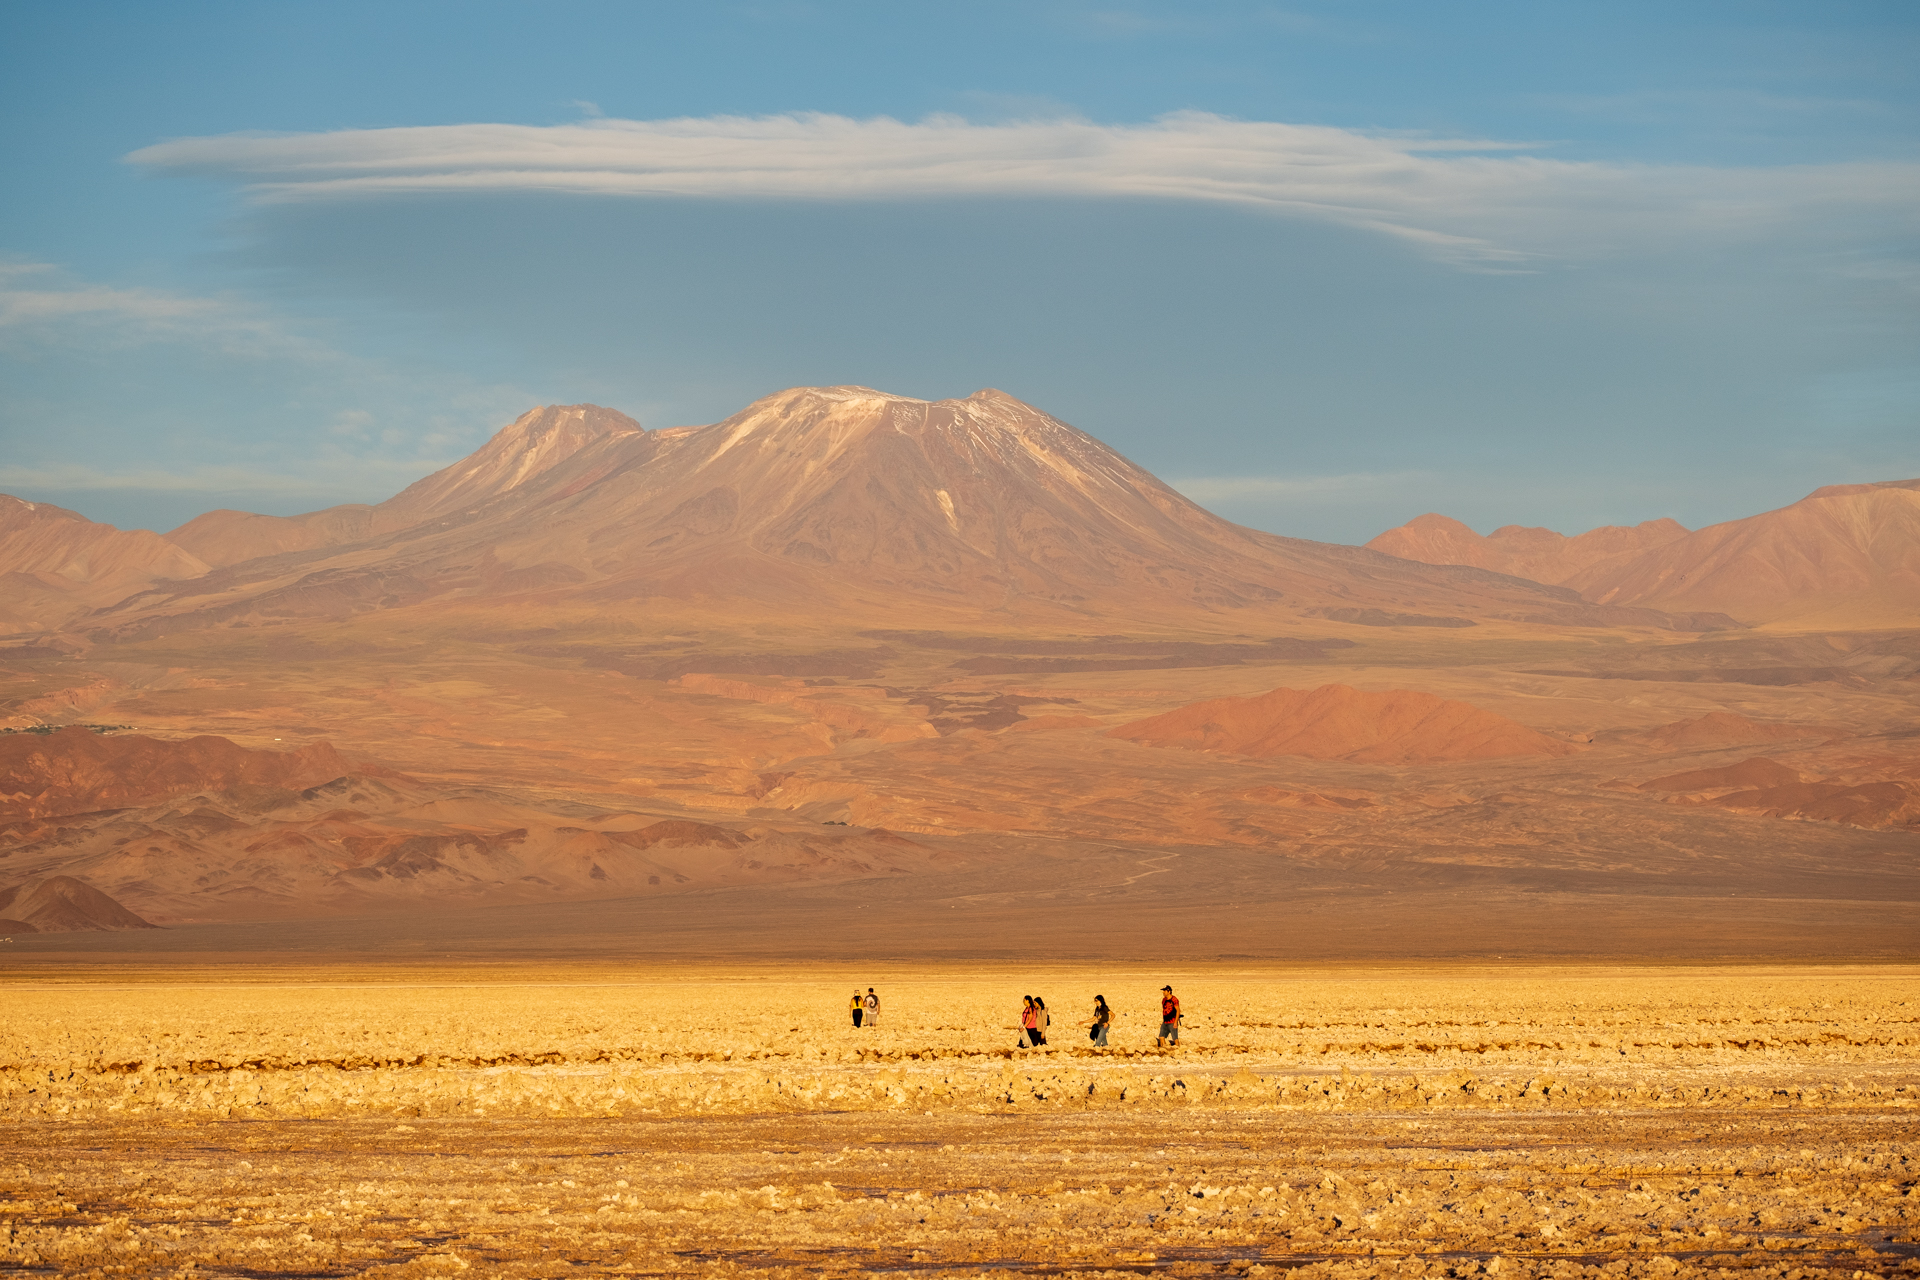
[1169, 1018]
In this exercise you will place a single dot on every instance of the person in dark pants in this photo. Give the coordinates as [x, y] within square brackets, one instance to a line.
[1102, 1019]
[858, 1009]
[1041, 1020]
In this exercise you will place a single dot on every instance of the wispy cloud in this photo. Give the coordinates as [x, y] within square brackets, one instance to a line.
[22, 303]
[81, 359]
[321, 481]
[40, 303]
[1474, 201]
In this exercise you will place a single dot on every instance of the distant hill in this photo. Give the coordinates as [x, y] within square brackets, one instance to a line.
[261, 838]
[63, 904]
[78, 771]
[1540, 554]
[1844, 556]
[56, 564]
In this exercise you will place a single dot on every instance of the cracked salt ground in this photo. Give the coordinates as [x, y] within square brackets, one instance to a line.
[140, 1134]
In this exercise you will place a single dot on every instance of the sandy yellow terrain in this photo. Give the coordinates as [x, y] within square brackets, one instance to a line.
[588, 1119]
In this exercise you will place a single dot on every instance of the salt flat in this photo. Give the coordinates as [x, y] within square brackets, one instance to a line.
[569, 1119]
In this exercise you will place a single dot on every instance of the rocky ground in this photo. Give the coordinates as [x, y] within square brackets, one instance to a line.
[575, 1121]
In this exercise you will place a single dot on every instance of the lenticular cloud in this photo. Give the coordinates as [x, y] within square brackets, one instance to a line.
[1473, 202]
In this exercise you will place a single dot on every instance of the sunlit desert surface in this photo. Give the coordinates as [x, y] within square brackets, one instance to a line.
[623, 1119]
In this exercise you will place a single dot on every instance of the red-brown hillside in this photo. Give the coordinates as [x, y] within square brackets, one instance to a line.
[1757, 772]
[62, 904]
[55, 564]
[1539, 554]
[1335, 722]
[1844, 555]
[1886, 805]
[78, 771]
[1731, 729]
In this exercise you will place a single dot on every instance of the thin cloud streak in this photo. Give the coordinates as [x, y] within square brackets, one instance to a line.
[39, 304]
[1467, 201]
[317, 482]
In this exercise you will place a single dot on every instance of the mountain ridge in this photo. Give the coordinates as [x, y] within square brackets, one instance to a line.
[539, 439]
[1842, 555]
[56, 564]
[1523, 551]
[839, 498]
[1845, 555]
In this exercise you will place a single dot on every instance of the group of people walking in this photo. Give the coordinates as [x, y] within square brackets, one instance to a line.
[1035, 1020]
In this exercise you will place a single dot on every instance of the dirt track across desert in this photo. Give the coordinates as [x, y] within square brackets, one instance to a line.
[728, 1120]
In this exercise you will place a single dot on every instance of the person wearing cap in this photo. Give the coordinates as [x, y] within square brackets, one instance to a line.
[1169, 1018]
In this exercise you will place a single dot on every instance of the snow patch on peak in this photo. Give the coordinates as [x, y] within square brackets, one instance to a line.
[846, 393]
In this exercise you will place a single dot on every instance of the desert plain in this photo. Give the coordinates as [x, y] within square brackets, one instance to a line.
[1597, 1120]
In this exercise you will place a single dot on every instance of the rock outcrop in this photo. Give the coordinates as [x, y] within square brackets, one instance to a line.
[78, 771]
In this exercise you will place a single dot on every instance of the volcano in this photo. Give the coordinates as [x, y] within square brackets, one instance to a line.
[839, 501]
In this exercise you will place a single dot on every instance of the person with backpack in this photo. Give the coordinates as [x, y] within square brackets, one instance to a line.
[858, 1007]
[872, 1003]
[1169, 1019]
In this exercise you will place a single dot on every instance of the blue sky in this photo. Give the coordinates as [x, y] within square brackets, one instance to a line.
[1323, 266]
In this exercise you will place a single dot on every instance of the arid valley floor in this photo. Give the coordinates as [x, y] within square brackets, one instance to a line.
[568, 1120]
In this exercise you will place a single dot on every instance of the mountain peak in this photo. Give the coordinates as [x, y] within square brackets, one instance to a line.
[537, 441]
[1849, 490]
[848, 393]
